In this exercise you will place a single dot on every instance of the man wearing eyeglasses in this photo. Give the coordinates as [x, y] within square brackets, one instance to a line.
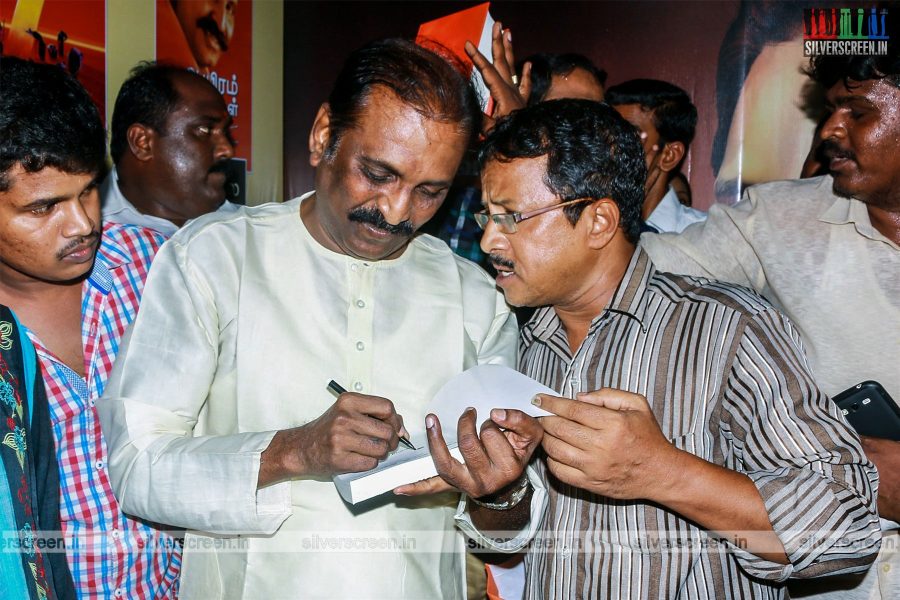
[691, 453]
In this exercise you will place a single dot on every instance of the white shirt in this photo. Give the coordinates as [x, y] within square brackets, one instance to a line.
[817, 257]
[670, 215]
[244, 320]
[117, 209]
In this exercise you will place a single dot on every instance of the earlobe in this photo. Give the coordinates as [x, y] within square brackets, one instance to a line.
[671, 156]
[141, 141]
[320, 135]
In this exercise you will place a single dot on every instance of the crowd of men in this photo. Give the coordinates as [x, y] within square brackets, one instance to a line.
[186, 448]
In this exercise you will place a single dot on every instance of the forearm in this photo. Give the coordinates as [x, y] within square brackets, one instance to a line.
[723, 501]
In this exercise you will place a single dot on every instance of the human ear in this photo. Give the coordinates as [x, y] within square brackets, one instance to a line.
[141, 141]
[671, 156]
[320, 135]
[602, 222]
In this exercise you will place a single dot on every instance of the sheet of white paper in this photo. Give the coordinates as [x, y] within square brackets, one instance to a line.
[485, 387]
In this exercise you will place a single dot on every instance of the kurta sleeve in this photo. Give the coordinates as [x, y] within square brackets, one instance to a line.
[161, 470]
[721, 247]
[806, 461]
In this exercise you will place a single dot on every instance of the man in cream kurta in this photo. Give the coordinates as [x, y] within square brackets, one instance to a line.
[247, 316]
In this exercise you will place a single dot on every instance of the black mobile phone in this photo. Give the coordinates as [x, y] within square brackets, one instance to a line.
[870, 410]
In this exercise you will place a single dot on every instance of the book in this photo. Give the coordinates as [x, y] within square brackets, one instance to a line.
[483, 387]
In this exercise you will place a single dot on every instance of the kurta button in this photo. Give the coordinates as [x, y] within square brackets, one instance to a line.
[360, 346]
[360, 304]
[358, 386]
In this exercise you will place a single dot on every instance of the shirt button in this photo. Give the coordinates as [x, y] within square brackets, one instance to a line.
[116, 533]
[360, 346]
[119, 592]
[92, 402]
[886, 568]
[358, 386]
[360, 304]
[99, 464]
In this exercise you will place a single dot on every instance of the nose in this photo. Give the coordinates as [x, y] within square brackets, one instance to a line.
[224, 146]
[223, 14]
[82, 215]
[492, 238]
[396, 207]
[834, 127]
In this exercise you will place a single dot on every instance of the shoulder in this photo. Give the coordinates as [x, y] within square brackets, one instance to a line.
[236, 223]
[701, 293]
[470, 274]
[129, 243]
[793, 196]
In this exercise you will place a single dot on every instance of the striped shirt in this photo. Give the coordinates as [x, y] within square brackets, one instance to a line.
[110, 555]
[727, 380]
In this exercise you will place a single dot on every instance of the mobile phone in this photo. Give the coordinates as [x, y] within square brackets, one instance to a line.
[870, 410]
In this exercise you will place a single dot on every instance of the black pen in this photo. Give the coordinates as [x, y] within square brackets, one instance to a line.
[335, 388]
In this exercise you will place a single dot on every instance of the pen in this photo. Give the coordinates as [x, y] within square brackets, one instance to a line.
[337, 389]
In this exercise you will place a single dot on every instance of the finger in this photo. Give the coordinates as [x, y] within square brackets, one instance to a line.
[500, 454]
[498, 53]
[470, 445]
[368, 427]
[565, 473]
[432, 485]
[481, 63]
[526, 428]
[614, 399]
[364, 445]
[572, 433]
[402, 431]
[450, 469]
[508, 49]
[525, 83]
[374, 406]
[574, 410]
[563, 452]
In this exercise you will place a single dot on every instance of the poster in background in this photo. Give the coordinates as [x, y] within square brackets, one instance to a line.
[213, 38]
[69, 33]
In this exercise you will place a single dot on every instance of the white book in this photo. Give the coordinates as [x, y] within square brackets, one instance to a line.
[483, 387]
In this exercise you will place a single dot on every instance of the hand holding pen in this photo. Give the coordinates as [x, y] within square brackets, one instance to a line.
[337, 389]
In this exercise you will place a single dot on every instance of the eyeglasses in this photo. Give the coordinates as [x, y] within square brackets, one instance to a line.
[509, 222]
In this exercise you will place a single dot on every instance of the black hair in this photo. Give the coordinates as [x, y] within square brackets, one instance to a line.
[674, 115]
[828, 70]
[47, 119]
[147, 97]
[592, 152]
[430, 79]
[545, 66]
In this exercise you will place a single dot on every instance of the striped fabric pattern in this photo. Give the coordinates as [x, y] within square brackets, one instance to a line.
[110, 555]
[727, 380]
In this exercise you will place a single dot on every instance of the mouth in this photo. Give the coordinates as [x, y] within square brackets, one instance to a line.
[506, 269]
[81, 253]
[376, 232]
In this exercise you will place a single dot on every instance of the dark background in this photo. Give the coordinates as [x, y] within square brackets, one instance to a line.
[676, 41]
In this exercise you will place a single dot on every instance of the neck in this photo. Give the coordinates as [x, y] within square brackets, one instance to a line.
[140, 194]
[886, 222]
[578, 313]
[654, 195]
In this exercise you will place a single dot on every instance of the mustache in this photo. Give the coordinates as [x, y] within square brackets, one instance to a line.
[209, 25]
[497, 260]
[830, 149]
[86, 240]
[373, 217]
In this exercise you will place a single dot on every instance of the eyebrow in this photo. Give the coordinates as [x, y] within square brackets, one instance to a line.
[40, 202]
[374, 162]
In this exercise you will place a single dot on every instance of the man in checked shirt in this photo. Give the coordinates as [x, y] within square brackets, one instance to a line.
[691, 454]
[75, 286]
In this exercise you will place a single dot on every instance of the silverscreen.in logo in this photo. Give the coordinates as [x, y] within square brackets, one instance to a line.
[844, 31]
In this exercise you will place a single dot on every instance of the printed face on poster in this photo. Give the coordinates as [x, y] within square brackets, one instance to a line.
[68, 33]
[213, 38]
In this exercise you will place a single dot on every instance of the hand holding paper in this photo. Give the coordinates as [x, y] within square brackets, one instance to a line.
[499, 77]
[492, 460]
